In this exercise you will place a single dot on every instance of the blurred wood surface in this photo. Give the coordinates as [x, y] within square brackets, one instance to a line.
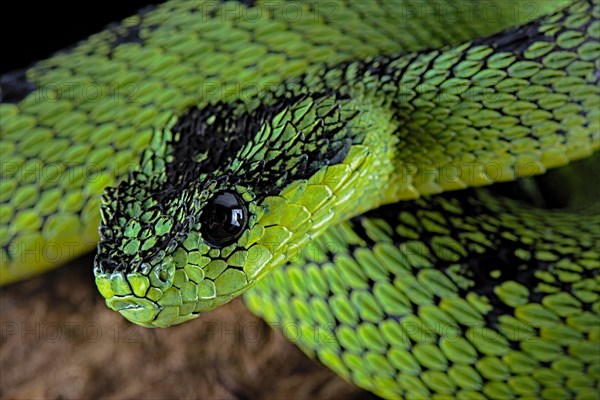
[59, 340]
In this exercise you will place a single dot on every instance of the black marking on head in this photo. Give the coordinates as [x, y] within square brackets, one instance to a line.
[206, 141]
[219, 131]
[14, 86]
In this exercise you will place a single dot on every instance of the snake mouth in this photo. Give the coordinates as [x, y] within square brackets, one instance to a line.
[149, 314]
[137, 310]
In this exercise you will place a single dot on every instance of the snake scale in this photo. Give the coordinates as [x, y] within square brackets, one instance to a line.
[334, 158]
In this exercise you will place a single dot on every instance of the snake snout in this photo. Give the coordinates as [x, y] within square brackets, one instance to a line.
[150, 296]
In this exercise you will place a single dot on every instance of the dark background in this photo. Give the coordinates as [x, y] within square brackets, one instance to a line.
[32, 31]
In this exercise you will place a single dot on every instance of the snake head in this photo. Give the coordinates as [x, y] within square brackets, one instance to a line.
[201, 220]
[166, 256]
[173, 237]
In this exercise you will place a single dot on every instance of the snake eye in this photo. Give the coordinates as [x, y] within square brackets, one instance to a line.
[223, 219]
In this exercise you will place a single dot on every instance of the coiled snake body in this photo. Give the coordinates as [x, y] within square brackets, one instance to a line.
[318, 161]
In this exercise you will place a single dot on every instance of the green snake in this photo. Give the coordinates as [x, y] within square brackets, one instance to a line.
[330, 157]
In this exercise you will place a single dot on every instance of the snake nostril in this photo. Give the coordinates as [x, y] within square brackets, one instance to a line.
[164, 275]
[161, 276]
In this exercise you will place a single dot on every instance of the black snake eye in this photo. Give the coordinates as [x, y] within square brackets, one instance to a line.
[223, 219]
